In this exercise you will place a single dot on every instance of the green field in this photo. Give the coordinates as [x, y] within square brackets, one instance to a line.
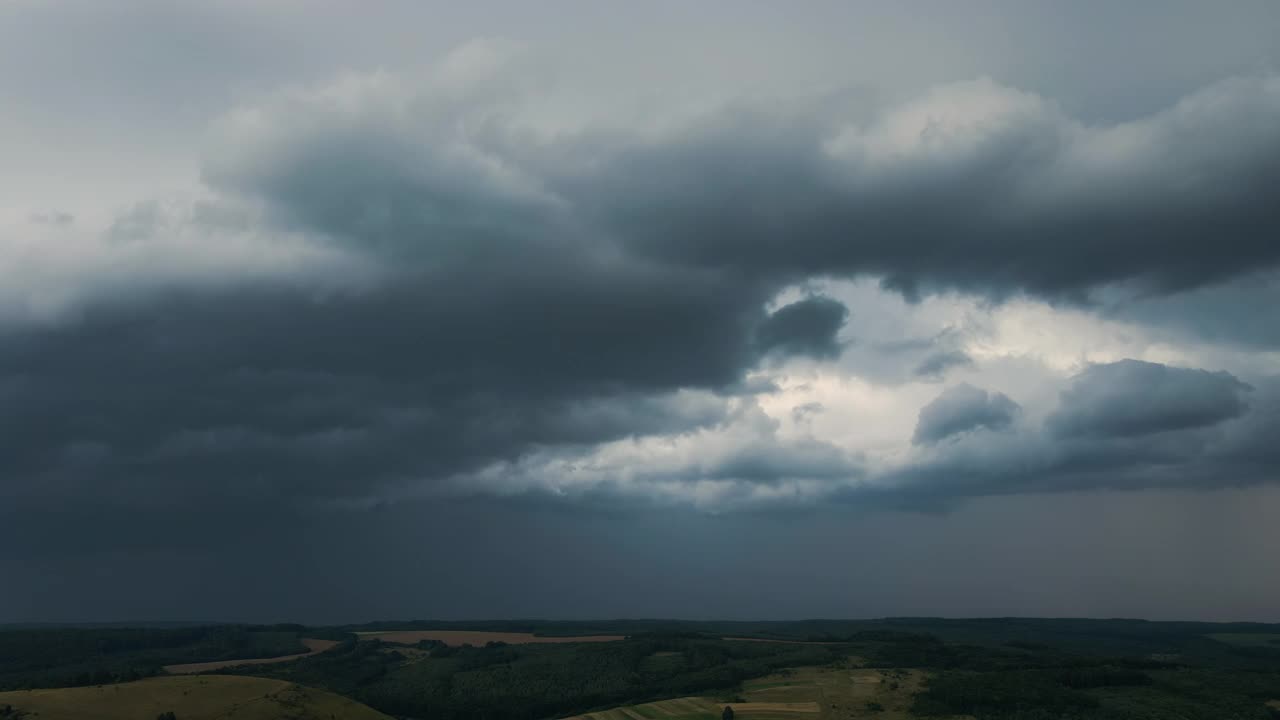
[1247, 639]
[205, 697]
[808, 693]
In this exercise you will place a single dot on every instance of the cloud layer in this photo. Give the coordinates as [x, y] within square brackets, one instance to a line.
[719, 309]
[407, 283]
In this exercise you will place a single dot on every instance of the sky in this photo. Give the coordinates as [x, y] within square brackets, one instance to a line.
[332, 312]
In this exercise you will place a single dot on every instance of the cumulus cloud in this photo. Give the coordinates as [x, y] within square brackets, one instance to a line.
[963, 408]
[1166, 427]
[1133, 398]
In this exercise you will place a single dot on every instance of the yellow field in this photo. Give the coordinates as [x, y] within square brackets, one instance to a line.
[206, 697]
[799, 694]
[698, 708]
[478, 638]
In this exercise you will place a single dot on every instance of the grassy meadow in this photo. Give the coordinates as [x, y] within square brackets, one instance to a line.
[1247, 639]
[205, 697]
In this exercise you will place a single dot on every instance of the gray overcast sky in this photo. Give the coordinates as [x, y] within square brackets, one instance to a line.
[751, 310]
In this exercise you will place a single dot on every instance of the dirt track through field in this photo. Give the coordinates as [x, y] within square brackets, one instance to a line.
[313, 645]
[457, 638]
[782, 642]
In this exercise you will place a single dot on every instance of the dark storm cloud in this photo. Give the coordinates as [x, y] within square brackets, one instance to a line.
[805, 327]
[558, 292]
[961, 409]
[1019, 198]
[280, 394]
[974, 186]
[521, 262]
[1132, 398]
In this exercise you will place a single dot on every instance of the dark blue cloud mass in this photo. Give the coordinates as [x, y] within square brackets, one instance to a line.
[619, 269]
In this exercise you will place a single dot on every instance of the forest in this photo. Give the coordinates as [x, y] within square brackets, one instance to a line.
[74, 656]
[523, 682]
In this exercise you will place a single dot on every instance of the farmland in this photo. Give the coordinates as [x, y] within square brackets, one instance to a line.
[313, 645]
[814, 670]
[775, 640]
[812, 693]
[191, 698]
[701, 708]
[476, 638]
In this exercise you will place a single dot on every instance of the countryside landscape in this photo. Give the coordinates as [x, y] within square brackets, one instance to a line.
[639, 359]
[892, 669]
